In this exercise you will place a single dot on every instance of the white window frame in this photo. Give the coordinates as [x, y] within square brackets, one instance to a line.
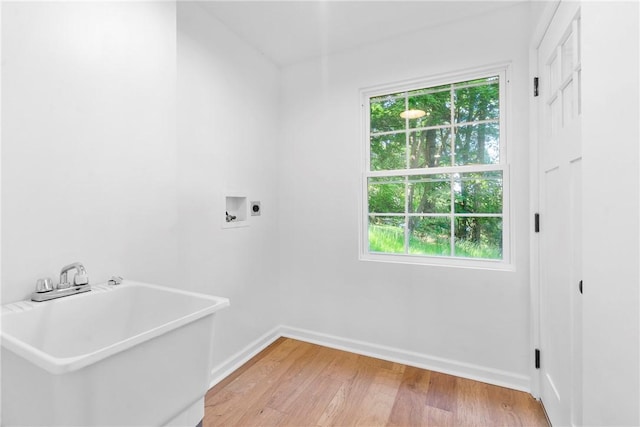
[501, 70]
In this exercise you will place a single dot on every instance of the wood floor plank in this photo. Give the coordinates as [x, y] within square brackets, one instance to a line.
[438, 417]
[514, 408]
[267, 417]
[409, 407]
[284, 352]
[297, 379]
[343, 368]
[473, 406]
[258, 413]
[379, 399]
[355, 391]
[441, 391]
[219, 407]
[251, 390]
[293, 383]
[235, 374]
[309, 407]
[261, 398]
[335, 407]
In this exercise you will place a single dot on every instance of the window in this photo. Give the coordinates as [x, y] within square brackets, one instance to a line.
[436, 175]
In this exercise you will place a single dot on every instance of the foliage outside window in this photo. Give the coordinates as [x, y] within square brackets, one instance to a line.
[436, 172]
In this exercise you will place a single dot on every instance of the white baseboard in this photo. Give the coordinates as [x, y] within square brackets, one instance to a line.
[460, 369]
[226, 368]
[432, 363]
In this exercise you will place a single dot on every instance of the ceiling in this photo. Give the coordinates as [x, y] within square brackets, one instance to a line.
[292, 31]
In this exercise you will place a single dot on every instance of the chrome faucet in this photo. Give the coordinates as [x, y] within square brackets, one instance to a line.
[79, 279]
[45, 290]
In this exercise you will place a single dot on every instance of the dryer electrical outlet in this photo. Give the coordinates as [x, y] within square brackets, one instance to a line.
[255, 208]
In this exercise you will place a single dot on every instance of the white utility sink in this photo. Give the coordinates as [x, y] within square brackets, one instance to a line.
[132, 354]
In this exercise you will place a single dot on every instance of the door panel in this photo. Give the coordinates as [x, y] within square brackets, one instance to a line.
[560, 212]
[555, 318]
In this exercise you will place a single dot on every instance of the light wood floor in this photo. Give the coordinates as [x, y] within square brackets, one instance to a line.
[293, 383]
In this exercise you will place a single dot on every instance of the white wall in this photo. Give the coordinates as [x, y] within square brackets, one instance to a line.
[464, 316]
[227, 136]
[611, 354]
[88, 141]
[124, 125]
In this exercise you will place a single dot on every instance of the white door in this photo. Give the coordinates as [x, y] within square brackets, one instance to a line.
[560, 246]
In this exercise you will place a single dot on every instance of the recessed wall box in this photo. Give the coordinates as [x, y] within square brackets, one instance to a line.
[235, 213]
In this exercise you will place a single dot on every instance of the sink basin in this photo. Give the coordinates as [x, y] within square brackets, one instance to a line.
[131, 354]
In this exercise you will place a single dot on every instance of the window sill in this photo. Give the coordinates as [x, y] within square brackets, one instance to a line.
[477, 264]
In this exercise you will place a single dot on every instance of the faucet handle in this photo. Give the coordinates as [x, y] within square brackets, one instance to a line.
[44, 285]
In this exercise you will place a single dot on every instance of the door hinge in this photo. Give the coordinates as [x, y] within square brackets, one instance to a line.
[536, 222]
[535, 86]
[537, 358]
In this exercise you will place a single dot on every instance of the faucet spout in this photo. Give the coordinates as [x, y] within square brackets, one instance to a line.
[80, 278]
